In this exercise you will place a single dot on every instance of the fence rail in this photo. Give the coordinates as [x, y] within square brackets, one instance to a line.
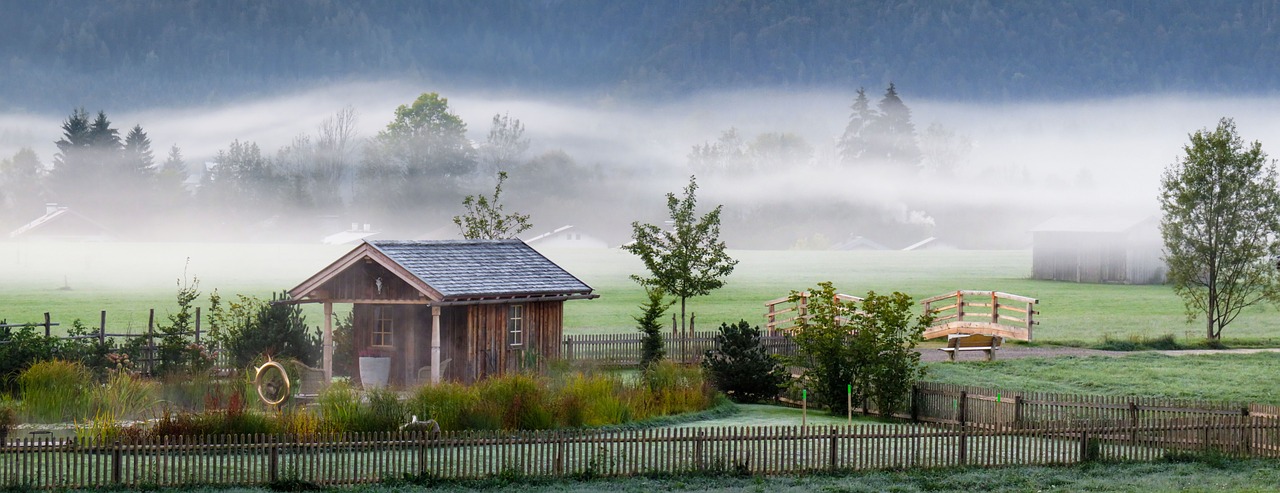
[625, 349]
[362, 458]
[1003, 314]
[150, 357]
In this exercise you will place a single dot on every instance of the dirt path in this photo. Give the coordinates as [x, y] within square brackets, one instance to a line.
[1013, 352]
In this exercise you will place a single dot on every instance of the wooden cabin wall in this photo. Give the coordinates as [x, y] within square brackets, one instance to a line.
[405, 318]
[360, 282]
[1079, 257]
[487, 330]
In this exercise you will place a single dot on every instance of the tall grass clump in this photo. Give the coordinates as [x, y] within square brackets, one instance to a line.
[521, 400]
[339, 406]
[124, 396]
[591, 400]
[55, 390]
[451, 404]
[383, 412]
[668, 388]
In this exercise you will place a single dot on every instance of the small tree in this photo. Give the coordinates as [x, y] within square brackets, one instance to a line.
[172, 354]
[689, 259]
[870, 348]
[741, 368]
[1221, 226]
[650, 324]
[484, 218]
[885, 337]
[823, 343]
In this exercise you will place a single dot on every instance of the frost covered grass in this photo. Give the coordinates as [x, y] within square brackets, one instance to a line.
[128, 278]
[1245, 378]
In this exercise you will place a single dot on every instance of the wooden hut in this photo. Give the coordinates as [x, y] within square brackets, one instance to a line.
[1117, 250]
[485, 307]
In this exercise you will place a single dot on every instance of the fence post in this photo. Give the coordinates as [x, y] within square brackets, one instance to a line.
[115, 463]
[1133, 423]
[420, 437]
[46, 324]
[959, 306]
[915, 403]
[1084, 446]
[561, 445]
[833, 448]
[151, 343]
[698, 460]
[964, 439]
[197, 324]
[995, 308]
[273, 467]
[1017, 412]
[1246, 431]
[102, 323]
[568, 348]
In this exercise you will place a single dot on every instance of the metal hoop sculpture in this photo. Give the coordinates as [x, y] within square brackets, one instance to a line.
[260, 383]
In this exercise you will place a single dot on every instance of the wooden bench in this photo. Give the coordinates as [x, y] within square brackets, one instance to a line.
[975, 342]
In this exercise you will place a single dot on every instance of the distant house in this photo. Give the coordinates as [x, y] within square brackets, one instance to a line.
[566, 237]
[459, 309]
[62, 223]
[1117, 250]
[930, 243]
[353, 235]
[859, 243]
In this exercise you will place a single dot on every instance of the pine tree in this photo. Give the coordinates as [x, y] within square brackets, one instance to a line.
[650, 324]
[139, 160]
[893, 136]
[853, 143]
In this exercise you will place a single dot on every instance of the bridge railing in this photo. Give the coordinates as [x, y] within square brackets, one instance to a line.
[783, 313]
[964, 309]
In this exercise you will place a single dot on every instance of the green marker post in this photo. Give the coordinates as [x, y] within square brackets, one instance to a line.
[849, 406]
[804, 407]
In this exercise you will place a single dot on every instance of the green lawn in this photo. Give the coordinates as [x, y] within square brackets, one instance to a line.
[128, 278]
[1244, 378]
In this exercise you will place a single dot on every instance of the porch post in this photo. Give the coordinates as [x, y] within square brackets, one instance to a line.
[411, 355]
[327, 357]
[435, 344]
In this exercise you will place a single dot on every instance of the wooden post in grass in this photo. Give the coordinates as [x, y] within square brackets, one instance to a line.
[151, 341]
[197, 324]
[46, 324]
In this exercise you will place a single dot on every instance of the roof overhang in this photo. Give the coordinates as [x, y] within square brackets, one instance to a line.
[306, 292]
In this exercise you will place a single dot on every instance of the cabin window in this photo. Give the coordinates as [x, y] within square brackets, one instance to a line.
[515, 325]
[382, 327]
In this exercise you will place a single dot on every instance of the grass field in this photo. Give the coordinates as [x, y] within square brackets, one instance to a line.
[1243, 378]
[126, 279]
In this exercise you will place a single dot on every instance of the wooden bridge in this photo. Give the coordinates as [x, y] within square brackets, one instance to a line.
[981, 312]
[960, 312]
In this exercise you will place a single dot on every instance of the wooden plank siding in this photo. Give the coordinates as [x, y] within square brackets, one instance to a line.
[360, 282]
[492, 353]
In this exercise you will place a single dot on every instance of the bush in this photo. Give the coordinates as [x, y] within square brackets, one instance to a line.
[55, 390]
[19, 349]
[741, 368]
[278, 330]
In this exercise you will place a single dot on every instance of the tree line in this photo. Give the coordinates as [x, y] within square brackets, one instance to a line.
[144, 52]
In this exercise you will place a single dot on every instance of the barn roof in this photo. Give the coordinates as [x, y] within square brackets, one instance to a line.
[1097, 224]
[457, 271]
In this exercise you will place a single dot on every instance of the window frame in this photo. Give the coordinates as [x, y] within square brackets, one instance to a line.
[515, 326]
[377, 334]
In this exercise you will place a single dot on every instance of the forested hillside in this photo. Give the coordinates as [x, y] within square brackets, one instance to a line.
[58, 54]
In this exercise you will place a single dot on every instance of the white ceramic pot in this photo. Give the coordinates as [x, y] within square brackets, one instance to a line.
[374, 371]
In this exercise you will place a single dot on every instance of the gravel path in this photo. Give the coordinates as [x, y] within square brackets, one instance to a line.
[1014, 351]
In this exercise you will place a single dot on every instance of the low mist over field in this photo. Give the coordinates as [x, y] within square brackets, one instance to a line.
[988, 171]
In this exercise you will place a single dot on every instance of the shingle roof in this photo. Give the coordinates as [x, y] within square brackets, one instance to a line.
[474, 268]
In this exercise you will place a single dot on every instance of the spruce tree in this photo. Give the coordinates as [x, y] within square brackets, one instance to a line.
[853, 143]
[893, 134]
[650, 324]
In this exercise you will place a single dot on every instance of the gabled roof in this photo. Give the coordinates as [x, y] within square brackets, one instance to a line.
[77, 225]
[461, 270]
[1118, 223]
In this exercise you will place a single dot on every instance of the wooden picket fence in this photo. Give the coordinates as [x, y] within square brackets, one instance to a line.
[364, 458]
[999, 408]
[625, 349]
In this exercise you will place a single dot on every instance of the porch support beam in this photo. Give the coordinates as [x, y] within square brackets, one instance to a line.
[327, 350]
[435, 344]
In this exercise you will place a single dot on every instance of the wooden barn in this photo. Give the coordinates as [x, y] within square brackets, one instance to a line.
[458, 310]
[1112, 250]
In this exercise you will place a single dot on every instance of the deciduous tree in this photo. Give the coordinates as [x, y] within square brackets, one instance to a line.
[687, 260]
[1221, 226]
[485, 220]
